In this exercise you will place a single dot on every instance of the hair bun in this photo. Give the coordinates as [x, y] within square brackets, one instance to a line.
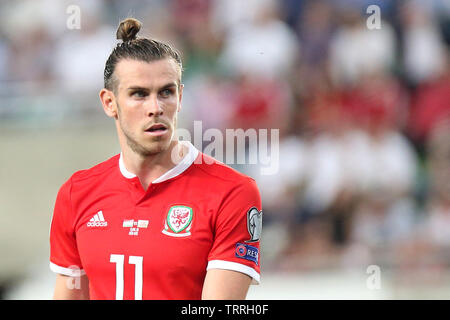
[128, 29]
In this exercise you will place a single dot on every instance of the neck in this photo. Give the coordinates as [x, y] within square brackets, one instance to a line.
[151, 167]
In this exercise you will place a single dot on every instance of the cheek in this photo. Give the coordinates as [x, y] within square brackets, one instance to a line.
[132, 105]
[175, 117]
[128, 114]
[171, 107]
[175, 120]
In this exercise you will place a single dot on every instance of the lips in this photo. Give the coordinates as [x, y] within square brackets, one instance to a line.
[157, 129]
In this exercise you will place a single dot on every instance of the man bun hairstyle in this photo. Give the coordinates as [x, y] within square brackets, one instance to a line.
[132, 47]
[128, 29]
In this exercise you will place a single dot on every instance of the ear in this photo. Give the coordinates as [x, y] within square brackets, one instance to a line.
[180, 96]
[109, 104]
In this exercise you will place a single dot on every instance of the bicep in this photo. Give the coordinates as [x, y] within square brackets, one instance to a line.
[223, 284]
[71, 288]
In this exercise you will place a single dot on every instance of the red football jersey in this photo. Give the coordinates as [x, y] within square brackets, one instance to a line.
[156, 243]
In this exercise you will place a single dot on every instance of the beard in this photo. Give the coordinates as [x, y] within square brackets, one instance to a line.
[145, 151]
[154, 146]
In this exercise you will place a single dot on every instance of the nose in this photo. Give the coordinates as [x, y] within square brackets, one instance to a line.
[153, 107]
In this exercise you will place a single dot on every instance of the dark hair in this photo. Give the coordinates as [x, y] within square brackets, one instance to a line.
[142, 49]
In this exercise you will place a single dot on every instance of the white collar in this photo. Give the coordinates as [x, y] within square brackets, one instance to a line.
[185, 163]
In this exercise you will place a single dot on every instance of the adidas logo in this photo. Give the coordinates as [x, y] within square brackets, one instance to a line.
[97, 220]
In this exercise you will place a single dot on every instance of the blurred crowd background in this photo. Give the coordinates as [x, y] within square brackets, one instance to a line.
[364, 116]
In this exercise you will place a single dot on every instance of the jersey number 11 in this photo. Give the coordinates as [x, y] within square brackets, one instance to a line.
[119, 259]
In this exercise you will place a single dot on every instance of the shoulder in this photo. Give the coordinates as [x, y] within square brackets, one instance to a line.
[236, 192]
[80, 185]
[96, 172]
[217, 175]
[217, 170]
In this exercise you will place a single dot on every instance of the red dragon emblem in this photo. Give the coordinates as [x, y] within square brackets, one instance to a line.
[179, 217]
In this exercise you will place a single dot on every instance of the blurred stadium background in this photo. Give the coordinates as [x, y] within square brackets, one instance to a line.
[363, 115]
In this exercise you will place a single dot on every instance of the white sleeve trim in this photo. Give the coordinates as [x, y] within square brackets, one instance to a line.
[72, 272]
[228, 265]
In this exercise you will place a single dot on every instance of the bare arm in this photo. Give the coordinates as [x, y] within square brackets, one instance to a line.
[225, 285]
[71, 288]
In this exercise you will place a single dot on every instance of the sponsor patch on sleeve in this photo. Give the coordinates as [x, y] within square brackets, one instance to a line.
[254, 224]
[246, 251]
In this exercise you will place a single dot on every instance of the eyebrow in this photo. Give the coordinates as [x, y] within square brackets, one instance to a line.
[166, 86]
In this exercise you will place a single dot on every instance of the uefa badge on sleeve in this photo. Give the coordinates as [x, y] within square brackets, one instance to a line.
[179, 221]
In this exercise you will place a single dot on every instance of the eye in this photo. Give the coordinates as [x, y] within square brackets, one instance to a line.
[139, 94]
[167, 92]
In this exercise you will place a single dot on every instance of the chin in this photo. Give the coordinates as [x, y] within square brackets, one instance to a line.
[148, 146]
[156, 147]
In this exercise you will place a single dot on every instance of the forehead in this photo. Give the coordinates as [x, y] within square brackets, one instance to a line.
[146, 74]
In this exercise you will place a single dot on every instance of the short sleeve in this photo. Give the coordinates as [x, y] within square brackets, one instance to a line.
[238, 231]
[64, 257]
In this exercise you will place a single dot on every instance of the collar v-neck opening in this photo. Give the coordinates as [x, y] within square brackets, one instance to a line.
[182, 166]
